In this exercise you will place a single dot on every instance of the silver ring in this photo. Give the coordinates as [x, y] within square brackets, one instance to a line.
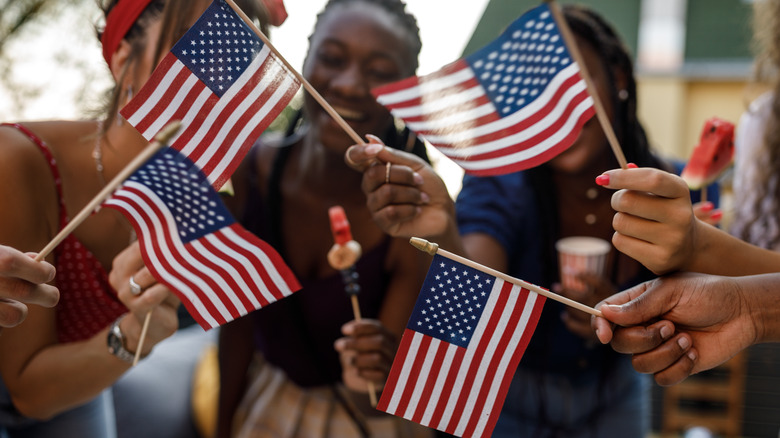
[135, 288]
[387, 172]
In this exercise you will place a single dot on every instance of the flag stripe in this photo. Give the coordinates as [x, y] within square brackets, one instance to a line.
[454, 364]
[156, 259]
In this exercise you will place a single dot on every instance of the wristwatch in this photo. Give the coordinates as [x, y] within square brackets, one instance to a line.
[116, 342]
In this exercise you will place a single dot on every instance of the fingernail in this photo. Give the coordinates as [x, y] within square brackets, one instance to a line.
[665, 332]
[692, 355]
[373, 148]
[602, 180]
[424, 198]
[615, 308]
[418, 179]
[347, 329]
[632, 166]
[707, 206]
[373, 139]
[684, 343]
[717, 215]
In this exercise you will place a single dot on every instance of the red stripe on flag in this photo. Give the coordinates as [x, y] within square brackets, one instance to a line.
[392, 378]
[501, 347]
[281, 267]
[446, 390]
[430, 383]
[143, 95]
[414, 374]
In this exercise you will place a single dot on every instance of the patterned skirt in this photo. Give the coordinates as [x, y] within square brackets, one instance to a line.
[275, 407]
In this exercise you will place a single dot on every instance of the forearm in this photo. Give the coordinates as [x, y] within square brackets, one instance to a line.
[762, 294]
[719, 253]
[63, 376]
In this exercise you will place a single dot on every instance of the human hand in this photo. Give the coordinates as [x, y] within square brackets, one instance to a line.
[711, 316]
[707, 213]
[153, 297]
[577, 321]
[23, 281]
[654, 223]
[366, 351]
[406, 197]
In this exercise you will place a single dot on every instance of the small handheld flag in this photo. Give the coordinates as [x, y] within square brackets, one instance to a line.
[460, 349]
[223, 83]
[190, 243]
[514, 104]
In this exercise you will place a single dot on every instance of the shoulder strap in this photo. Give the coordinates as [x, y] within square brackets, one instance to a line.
[55, 172]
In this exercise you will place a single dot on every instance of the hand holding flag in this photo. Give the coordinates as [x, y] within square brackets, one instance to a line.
[191, 244]
[460, 349]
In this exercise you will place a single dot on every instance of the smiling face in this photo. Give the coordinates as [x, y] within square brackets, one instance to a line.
[356, 47]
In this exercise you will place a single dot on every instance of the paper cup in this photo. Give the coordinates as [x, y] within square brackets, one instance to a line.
[581, 254]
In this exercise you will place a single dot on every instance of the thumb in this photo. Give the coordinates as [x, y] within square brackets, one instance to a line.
[642, 303]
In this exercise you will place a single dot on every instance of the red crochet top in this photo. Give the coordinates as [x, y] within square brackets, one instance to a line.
[87, 303]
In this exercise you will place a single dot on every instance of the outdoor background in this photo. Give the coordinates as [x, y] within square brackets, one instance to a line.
[693, 62]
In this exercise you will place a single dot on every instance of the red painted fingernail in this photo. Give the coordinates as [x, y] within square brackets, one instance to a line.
[632, 166]
[707, 206]
[716, 216]
[602, 180]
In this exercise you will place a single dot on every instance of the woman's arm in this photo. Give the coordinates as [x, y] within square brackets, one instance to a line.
[655, 225]
[44, 377]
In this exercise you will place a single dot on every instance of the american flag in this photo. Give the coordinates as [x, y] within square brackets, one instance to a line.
[191, 243]
[514, 104]
[460, 349]
[225, 86]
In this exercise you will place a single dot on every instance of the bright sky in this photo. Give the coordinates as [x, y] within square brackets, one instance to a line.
[445, 28]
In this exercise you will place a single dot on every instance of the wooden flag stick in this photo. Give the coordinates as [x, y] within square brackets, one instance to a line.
[571, 44]
[316, 95]
[433, 249]
[159, 141]
[142, 338]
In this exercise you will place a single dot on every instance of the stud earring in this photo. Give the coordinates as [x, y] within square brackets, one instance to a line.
[623, 94]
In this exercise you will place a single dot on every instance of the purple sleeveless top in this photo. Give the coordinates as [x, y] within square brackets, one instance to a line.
[297, 333]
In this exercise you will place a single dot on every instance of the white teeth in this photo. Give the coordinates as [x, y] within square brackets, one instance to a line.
[348, 114]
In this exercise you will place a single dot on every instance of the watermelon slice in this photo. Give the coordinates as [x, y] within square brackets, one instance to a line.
[712, 155]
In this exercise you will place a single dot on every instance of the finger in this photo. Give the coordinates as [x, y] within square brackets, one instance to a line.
[645, 179]
[395, 195]
[363, 327]
[376, 176]
[663, 356]
[12, 313]
[23, 266]
[44, 295]
[678, 371]
[639, 304]
[391, 217]
[651, 207]
[640, 339]
[361, 156]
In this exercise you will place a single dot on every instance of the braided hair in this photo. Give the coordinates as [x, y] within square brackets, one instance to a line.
[593, 29]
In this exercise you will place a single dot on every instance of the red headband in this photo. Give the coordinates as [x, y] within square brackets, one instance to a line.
[276, 11]
[118, 23]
